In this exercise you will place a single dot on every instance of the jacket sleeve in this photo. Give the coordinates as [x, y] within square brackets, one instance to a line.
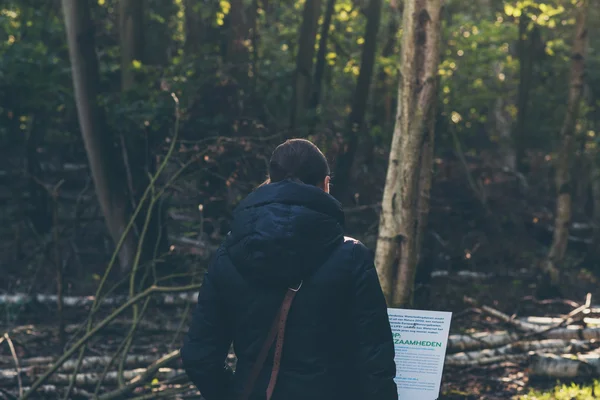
[207, 343]
[375, 353]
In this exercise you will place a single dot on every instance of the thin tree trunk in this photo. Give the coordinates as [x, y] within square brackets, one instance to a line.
[321, 61]
[361, 96]
[525, 50]
[240, 22]
[136, 146]
[406, 195]
[158, 44]
[383, 100]
[41, 212]
[304, 60]
[594, 249]
[107, 177]
[562, 219]
[194, 28]
[593, 158]
[131, 30]
[502, 124]
[255, 40]
[383, 97]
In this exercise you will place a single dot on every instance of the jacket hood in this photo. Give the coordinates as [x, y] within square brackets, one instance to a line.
[283, 231]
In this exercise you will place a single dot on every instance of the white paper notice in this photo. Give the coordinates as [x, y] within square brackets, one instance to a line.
[420, 340]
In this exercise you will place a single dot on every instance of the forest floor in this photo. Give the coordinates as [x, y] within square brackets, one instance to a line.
[479, 246]
[33, 329]
[505, 379]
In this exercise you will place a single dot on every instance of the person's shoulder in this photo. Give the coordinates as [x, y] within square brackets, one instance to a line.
[358, 251]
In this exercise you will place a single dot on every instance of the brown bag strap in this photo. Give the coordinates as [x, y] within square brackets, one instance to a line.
[277, 330]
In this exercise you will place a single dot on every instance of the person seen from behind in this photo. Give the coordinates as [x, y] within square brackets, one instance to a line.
[300, 302]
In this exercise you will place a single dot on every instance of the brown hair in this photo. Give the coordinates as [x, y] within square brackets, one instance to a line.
[298, 159]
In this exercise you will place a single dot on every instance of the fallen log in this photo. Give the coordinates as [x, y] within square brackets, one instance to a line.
[88, 363]
[143, 325]
[490, 360]
[106, 321]
[520, 325]
[574, 332]
[476, 275]
[565, 365]
[94, 362]
[26, 362]
[9, 377]
[59, 391]
[89, 379]
[480, 340]
[83, 301]
[486, 340]
[474, 357]
[546, 321]
[142, 378]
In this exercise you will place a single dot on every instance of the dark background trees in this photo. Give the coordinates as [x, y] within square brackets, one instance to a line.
[88, 116]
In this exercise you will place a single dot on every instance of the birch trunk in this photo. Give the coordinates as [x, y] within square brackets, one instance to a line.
[483, 340]
[478, 357]
[92, 363]
[480, 340]
[405, 198]
[563, 177]
[9, 377]
[565, 366]
[490, 356]
[86, 301]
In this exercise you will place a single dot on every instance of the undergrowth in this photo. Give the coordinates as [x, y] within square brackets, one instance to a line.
[565, 392]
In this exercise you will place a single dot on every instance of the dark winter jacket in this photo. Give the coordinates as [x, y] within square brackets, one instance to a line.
[338, 342]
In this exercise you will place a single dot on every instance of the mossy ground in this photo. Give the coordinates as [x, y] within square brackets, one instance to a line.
[565, 392]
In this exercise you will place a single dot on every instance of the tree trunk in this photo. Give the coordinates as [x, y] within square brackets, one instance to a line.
[304, 60]
[131, 30]
[382, 104]
[159, 47]
[565, 366]
[383, 98]
[525, 51]
[108, 178]
[562, 219]
[41, 212]
[137, 145]
[502, 124]
[321, 61]
[406, 195]
[194, 28]
[594, 248]
[240, 21]
[359, 102]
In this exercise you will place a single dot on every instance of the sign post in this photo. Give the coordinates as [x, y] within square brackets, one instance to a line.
[420, 340]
